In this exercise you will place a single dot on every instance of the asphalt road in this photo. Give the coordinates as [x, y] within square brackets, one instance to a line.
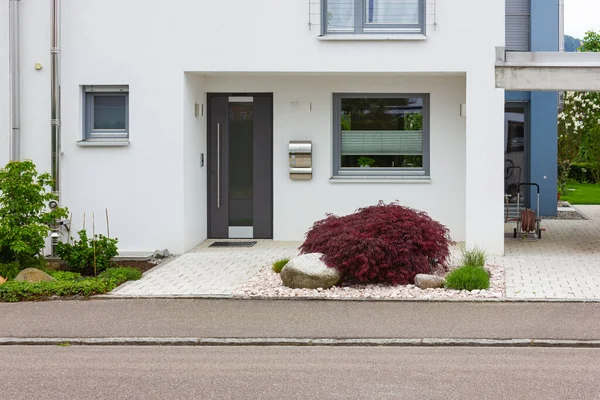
[299, 319]
[297, 373]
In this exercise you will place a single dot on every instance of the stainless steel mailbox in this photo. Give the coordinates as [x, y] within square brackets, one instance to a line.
[300, 155]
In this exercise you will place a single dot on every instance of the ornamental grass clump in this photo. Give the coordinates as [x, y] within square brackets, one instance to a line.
[386, 243]
[475, 257]
[469, 277]
[279, 264]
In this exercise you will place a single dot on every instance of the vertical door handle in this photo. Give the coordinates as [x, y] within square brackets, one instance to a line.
[218, 165]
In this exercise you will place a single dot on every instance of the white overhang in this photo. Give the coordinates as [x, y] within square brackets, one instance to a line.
[547, 71]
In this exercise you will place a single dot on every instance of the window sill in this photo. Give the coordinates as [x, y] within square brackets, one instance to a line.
[373, 37]
[380, 179]
[103, 143]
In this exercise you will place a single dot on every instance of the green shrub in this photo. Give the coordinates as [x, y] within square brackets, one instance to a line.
[80, 255]
[64, 275]
[18, 291]
[279, 264]
[10, 270]
[67, 284]
[469, 277]
[24, 215]
[121, 274]
[582, 173]
[474, 257]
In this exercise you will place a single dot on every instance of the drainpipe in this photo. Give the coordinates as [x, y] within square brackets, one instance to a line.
[55, 95]
[55, 112]
[15, 84]
[561, 25]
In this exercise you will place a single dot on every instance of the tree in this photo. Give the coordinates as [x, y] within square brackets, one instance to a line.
[579, 124]
[24, 216]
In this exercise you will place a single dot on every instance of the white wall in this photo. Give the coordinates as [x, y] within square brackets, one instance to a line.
[194, 146]
[4, 84]
[153, 188]
[297, 204]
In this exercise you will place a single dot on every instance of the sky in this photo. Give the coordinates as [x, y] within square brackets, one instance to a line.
[581, 16]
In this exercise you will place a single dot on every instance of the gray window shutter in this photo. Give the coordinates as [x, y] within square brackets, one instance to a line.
[518, 25]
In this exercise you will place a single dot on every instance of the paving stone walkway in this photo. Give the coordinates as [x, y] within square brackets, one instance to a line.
[214, 271]
[565, 264]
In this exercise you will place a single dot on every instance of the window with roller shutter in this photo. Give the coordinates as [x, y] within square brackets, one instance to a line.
[518, 25]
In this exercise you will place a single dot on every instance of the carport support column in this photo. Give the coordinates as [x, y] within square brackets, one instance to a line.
[484, 161]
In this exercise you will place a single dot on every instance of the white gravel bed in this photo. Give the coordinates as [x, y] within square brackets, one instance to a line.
[267, 284]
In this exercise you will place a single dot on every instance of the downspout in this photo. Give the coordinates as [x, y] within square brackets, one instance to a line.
[55, 111]
[561, 26]
[15, 81]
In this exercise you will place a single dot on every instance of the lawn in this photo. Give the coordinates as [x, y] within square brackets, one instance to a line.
[583, 193]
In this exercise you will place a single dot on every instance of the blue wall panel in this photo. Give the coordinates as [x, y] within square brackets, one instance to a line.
[544, 109]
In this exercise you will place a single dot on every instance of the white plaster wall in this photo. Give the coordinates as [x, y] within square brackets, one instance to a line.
[265, 35]
[146, 186]
[297, 204]
[4, 84]
[194, 146]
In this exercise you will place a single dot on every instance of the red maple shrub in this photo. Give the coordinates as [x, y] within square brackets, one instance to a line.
[386, 243]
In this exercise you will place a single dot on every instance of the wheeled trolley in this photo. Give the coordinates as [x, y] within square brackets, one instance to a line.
[528, 220]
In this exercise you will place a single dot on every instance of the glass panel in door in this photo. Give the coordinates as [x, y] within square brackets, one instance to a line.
[241, 137]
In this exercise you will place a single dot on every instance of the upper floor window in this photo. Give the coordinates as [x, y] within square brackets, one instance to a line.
[373, 16]
[518, 25]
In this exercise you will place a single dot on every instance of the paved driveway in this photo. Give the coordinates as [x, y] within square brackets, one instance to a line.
[565, 264]
[214, 271]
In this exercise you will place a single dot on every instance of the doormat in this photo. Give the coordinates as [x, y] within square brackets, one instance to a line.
[232, 244]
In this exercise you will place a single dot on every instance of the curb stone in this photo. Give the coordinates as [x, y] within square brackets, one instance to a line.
[110, 296]
[190, 341]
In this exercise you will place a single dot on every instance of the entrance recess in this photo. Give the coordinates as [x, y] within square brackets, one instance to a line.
[240, 160]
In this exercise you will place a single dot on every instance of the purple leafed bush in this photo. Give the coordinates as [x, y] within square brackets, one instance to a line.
[386, 243]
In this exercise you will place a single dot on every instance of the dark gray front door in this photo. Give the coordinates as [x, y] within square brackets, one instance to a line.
[240, 160]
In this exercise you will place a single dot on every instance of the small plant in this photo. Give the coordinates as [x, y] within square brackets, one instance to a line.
[279, 264]
[365, 161]
[475, 257]
[385, 243]
[469, 277]
[24, 217]
[88, 256]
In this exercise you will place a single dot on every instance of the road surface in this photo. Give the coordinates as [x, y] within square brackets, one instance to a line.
[40, 372]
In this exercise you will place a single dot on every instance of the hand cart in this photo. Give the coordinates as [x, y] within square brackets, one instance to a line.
[528, 220]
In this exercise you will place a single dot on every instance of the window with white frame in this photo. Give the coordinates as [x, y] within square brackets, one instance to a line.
[381, 135]
[373, 16]
[106, 113]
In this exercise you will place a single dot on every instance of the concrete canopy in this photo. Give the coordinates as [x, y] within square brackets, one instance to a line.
[547, 71]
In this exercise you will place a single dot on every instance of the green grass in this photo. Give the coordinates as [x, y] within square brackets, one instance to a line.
[474, 257]
[584, 193]
[468, 277]
[279, 264]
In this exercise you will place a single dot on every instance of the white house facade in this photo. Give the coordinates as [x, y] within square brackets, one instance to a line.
[189, 120]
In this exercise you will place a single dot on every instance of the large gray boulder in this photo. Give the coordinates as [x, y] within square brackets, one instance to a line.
[33, 275]
[424, 281]
[309, 272]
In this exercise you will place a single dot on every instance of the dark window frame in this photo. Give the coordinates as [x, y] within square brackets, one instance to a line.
[339, 172]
